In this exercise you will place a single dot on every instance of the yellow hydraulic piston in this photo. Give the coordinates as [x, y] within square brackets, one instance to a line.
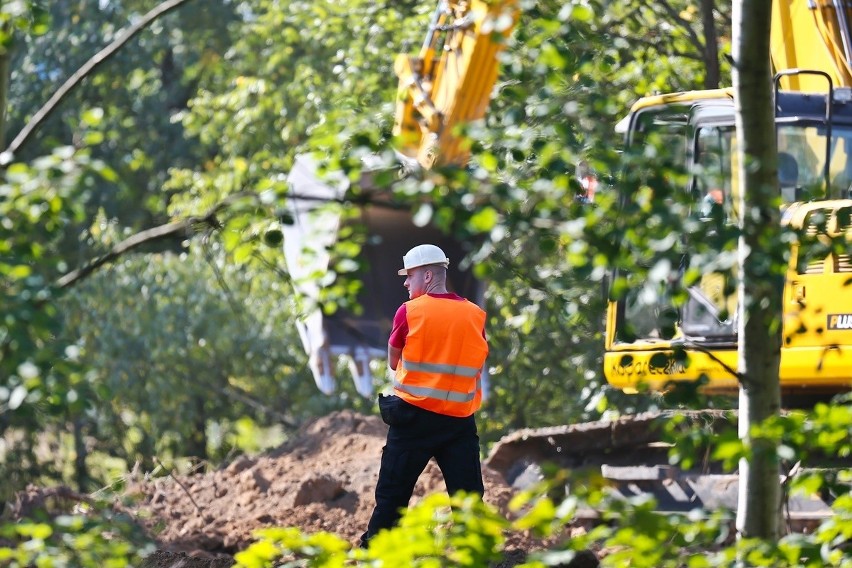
[450, 81]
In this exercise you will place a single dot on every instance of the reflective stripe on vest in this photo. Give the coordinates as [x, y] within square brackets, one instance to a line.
[452, 396]
[459, 370]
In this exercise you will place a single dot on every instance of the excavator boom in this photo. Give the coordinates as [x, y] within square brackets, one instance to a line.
[449, 82]
[813, 35]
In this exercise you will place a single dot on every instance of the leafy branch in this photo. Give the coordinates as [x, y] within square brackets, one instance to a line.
[84, 71]
[192, 225]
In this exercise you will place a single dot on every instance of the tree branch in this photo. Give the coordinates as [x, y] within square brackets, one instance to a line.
[175, 228]
[87, 69]
[673, 15]
[734, 373]
[669, 14]
[190, 225]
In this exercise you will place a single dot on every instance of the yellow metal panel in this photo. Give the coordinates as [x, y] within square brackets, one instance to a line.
[682, 97]
[825, 369]
[807, 35]
[653, 369]
[438, 92]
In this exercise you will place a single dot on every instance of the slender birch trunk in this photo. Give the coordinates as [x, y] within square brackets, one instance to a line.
[761, 268]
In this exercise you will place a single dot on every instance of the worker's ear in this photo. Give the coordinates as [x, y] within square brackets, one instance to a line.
[427, 275]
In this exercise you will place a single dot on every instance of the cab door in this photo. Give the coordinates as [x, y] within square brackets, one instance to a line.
[656, 334]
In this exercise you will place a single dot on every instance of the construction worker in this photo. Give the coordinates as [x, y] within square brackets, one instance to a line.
[588, 182]
[437, 348]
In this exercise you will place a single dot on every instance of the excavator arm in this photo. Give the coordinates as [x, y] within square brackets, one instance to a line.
[449, 82]
[814, 35]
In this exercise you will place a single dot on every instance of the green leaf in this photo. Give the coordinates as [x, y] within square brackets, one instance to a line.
[243, 252]
[539, 517]
[273, 238]
[39, 531]
[93, 138]
[729, 450]
[19, 272]
[93, 116]
[484, 220]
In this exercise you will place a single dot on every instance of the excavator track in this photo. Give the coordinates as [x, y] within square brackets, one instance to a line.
[631, 453]
[633, 440]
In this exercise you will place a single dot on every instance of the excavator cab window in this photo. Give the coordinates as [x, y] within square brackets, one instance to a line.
[841, 162]
[711, 171]
[801, 162]
[647, 315]
[801, 165]
[708, 312]
[664, 129]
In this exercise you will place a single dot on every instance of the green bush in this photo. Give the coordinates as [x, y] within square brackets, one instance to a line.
[439, 531]
[100, 540]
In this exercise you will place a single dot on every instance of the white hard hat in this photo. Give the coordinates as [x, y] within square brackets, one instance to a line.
[423, 255]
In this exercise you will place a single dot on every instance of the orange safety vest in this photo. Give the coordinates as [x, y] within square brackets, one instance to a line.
[443, 356]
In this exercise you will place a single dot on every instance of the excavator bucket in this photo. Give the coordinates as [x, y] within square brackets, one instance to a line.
[359, 339]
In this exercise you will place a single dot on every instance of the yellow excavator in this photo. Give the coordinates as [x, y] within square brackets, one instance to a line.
[811, 48]
[651, 343]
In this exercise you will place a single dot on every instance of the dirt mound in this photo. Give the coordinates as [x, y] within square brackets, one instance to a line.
[323, 479]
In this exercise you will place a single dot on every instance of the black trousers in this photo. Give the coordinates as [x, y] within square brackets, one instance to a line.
[415, 436]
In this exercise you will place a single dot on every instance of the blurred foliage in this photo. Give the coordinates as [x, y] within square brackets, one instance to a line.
[191, 346]
[439, 531]
[98, 537]
[37, 204]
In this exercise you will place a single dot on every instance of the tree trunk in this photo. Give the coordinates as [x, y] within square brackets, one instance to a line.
[197, 443]
[81, 471]
[761, 265]
[713, 74]
[5, 77]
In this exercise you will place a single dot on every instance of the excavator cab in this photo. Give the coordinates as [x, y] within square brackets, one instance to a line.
[653, 341]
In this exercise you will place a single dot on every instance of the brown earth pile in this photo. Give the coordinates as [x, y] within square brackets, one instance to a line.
[322, 480]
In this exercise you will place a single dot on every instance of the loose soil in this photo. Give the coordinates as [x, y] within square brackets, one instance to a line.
[322, 480]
